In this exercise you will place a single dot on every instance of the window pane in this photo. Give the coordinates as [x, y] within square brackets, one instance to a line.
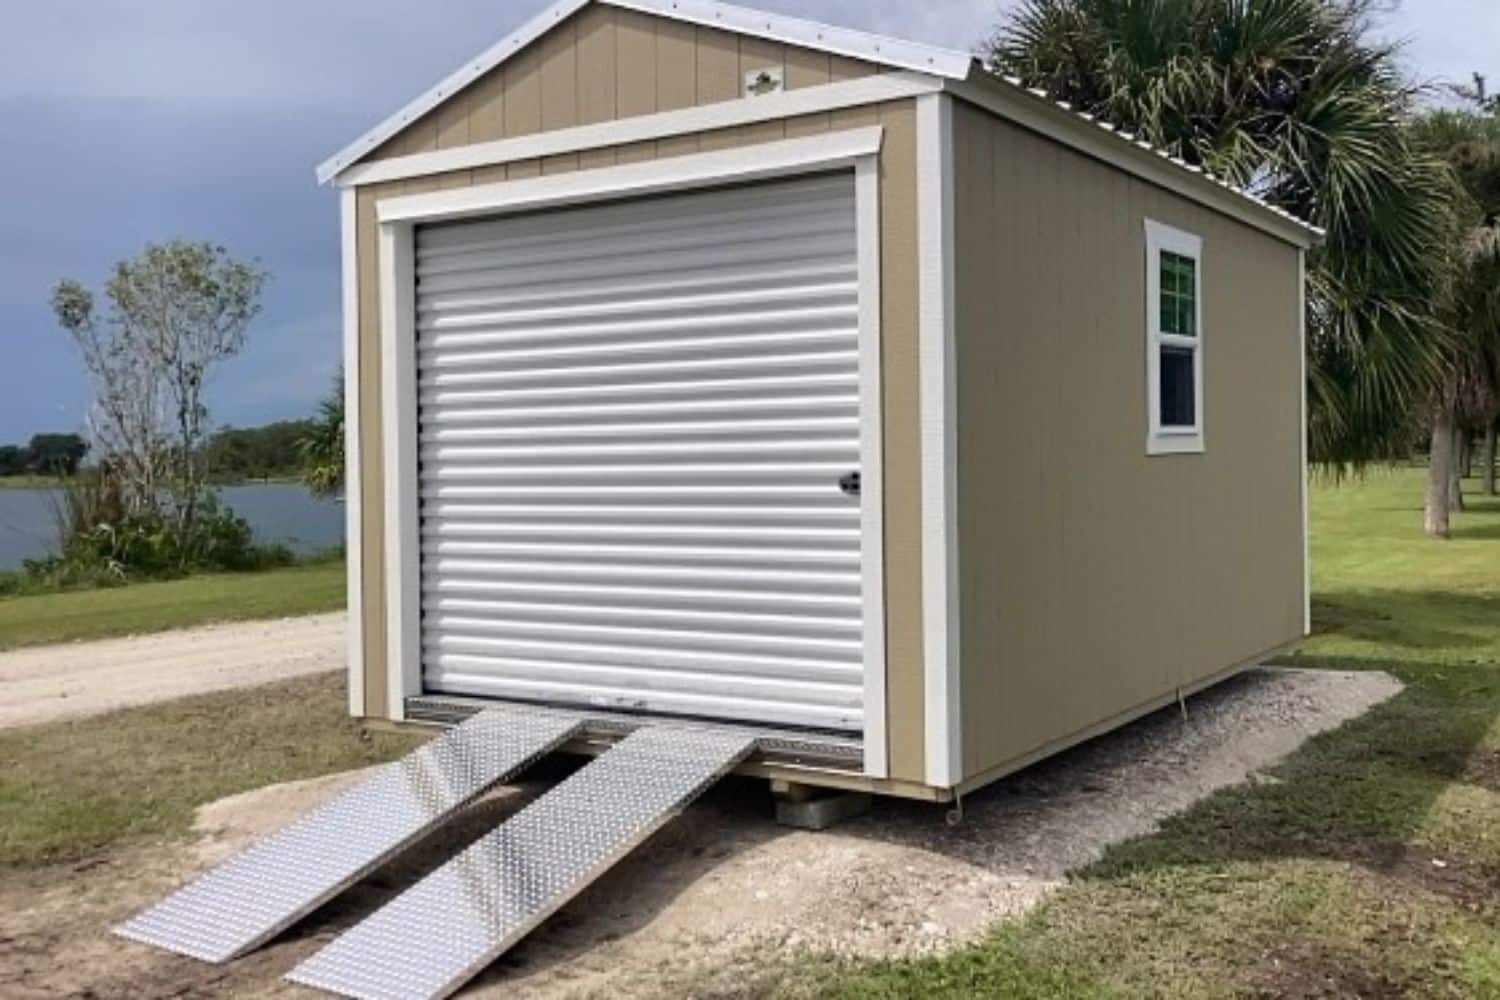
[1179, 294]
[1178, 398]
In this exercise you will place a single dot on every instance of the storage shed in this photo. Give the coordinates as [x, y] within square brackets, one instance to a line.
[717, 365]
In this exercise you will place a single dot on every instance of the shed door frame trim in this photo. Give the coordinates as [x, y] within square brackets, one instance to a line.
[855, 149]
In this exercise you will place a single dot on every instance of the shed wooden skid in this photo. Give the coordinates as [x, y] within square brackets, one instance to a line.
[1028, 567]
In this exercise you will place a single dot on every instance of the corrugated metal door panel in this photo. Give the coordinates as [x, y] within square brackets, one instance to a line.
[633, 419]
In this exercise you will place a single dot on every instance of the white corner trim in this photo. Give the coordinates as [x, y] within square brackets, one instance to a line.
[398, 411]
[871, 462]
[353, 523]
[1040, 114]
[661, 125]
[898, 52]
[750, 163]
[1172, 440]
[894, 52]
[1302, 438]
[939, 440]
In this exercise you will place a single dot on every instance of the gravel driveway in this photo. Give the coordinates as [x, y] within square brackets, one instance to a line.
[45, 683]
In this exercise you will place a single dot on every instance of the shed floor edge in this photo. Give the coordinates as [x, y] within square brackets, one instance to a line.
[1050, 749]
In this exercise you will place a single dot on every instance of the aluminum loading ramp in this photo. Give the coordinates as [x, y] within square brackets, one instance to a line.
[255, 895]
[446, 928]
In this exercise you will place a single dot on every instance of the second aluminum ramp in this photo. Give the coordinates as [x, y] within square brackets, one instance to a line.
[255, 895]
[446, 928]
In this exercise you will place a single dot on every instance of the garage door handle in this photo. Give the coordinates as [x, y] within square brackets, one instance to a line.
[849, 483]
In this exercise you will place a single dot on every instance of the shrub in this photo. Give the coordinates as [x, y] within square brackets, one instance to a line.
[104, 544]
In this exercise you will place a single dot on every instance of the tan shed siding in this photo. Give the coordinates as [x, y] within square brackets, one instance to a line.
[1095, 578]
[899, 342]
[372, 465]
[605, 63]
[905, 685]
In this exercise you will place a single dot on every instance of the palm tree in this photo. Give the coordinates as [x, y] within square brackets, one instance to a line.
[322, 447]
[1293, 101]
[1468, 395]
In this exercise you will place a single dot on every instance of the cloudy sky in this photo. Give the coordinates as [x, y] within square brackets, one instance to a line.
[126, 121]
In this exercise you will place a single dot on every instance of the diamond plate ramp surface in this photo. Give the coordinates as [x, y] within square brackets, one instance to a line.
[434, 937]
[258, 893]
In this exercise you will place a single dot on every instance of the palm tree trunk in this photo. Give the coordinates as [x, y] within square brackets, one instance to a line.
[1439, 475]
[1456, 472]
[1487, 456]
[1466, 453]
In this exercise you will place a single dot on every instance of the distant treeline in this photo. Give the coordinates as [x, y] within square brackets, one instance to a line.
[268, 452]
[44, 455]
[234, 453]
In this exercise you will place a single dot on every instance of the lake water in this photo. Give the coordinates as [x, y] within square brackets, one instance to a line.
[277, 512]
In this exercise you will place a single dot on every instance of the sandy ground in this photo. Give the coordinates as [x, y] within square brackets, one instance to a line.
[722, 890]
[44, 683]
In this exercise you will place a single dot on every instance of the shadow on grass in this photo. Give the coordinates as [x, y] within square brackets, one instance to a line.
[1365, 793]
[1411, 620]
[1488, 531]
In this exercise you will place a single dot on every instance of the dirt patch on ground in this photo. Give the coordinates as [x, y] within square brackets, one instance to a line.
[1482, 768]
[45, 683]
[1308, 969]
[1439, 874]
[723, 886]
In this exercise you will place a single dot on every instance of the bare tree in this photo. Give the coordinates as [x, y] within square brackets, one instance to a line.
[176, 312]
[127, 417]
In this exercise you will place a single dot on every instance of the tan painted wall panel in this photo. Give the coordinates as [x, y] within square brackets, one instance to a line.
[658, 65]
[607, 63]
[523, 92]
[487, 107]
[598, 77]
[902, 421]
[559, 72]
[635, 63]
[372, 469]
[1095, 578]
[718, 66]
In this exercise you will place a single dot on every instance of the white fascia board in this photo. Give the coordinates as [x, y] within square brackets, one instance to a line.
[449, 85]
[894, 52]
[759, 162]
[938, 409]
[661, 125]
[1036, 112]
[898, 52]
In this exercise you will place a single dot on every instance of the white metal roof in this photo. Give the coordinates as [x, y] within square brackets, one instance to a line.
[947, 63]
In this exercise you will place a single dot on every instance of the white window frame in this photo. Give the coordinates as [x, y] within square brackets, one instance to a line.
[1172, 440]
[854, 149]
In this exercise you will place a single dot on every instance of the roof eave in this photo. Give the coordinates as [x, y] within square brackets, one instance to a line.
[1035, 110]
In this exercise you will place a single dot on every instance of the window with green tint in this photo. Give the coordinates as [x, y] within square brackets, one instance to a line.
[1179, 294]
[1175, 318]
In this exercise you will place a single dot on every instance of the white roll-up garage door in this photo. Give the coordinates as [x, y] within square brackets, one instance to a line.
[637, 425]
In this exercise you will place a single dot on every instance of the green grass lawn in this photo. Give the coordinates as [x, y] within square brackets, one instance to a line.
[1369, 865]
[153, 607]
[71, 789]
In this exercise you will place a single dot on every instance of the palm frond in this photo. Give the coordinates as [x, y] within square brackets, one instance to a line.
[1295, 100]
